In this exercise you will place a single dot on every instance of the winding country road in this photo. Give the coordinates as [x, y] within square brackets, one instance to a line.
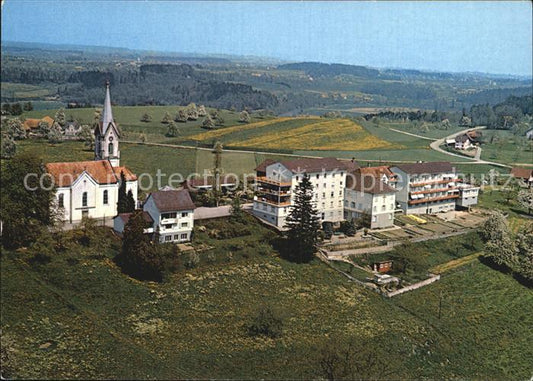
[435, 145]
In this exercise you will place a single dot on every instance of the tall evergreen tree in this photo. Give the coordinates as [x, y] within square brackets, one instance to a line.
[137, 257]
[125, 203]
[302, 224]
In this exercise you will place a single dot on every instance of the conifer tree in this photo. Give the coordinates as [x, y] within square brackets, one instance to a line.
[137, 257]
[123, 203]
[302, 223]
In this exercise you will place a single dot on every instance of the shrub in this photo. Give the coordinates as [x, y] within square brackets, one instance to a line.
[266, 322]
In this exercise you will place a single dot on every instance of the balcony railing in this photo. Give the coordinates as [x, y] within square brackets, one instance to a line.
[266, 180]
[432, 199]
[270, 202]
[434, 190]
[274, 192]
[430, 182]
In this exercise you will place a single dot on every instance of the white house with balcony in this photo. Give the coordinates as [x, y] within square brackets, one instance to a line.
[431, 187]
[172, 213]
[277, 181]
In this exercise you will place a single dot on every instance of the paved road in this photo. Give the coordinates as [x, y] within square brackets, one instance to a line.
[415, 135]
[475, 160]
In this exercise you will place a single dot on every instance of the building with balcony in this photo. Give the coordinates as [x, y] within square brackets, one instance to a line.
[369, 193]
[426, 188]
[277, 181]
[468, 195]
[172, 213]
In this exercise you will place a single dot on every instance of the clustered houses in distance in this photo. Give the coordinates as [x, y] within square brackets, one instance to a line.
[342, 190]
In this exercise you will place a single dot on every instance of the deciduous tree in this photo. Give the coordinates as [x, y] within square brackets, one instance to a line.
[15, 129]
[525, 198]
[244, 117]
[25, 206]
[172, 130]
[55, 134]
[9, 147]
[60, 117]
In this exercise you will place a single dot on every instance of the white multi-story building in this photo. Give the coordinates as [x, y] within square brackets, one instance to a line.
[368, 192]
[427, 188]
[90, 188]
[276, 182]
[172, 213]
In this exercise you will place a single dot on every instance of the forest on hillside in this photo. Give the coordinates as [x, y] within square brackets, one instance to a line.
[75, 77]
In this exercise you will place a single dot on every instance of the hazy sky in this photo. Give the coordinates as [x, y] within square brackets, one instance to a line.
[493, 37]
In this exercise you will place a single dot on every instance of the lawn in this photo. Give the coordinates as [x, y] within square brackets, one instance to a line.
[80, 317]
[505, 147]
[149, 159]
[429, 254]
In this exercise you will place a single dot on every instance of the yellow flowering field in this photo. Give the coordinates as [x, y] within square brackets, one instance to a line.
[338, 134]
[209, 135]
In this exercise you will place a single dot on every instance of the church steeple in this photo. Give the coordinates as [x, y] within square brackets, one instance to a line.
[106, 134]
[107, 113]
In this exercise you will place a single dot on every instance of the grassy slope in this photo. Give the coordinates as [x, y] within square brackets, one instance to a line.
[100, 322]
[506, 148]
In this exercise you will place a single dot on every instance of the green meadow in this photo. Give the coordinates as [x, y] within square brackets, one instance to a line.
[78, 316]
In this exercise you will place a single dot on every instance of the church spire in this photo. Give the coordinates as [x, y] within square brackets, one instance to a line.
[106, 135]
[107, 113]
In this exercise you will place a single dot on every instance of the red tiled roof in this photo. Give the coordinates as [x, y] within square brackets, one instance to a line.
[311, 165]
[32, 123]
[172, 200]
[127, 173]
[367, 183]
[378, 171]
[64, 174]
[125, 217]
[430, 167]
[263, 166]
[523, 173]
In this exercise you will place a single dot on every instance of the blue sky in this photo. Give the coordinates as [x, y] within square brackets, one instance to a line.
[494, 37]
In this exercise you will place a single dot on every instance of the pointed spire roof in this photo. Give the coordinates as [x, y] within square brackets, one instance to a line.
[107, 114]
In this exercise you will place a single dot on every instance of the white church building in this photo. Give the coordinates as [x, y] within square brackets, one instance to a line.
[90, 188]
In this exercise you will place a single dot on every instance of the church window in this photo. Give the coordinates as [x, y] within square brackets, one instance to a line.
[106, 198]
[84, 199]
[110, 149]
[60, 200]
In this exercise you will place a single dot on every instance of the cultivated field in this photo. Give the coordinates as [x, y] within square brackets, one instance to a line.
[298, 133]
